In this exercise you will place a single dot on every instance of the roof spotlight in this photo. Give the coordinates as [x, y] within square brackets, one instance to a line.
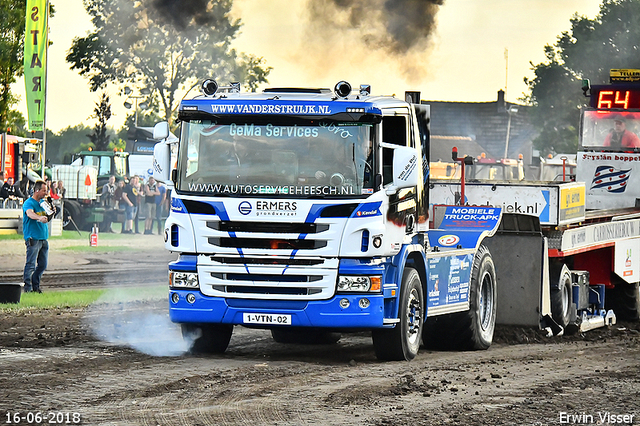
[209, 87]
[342, 89]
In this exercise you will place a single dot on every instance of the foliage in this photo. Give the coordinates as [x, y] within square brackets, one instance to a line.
[12, 27]
[102, 112]
[589, 50]
[66, 142]
[163, 46]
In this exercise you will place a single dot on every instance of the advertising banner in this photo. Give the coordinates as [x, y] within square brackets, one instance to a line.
[35, 61]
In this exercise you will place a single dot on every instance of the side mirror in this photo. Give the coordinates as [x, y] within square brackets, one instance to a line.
[161, 131]
[405, 166]
[162, 161]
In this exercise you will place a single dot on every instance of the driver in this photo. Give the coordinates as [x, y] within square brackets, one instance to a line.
[620, 137]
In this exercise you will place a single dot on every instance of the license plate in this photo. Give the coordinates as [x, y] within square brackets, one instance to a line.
[266, 319]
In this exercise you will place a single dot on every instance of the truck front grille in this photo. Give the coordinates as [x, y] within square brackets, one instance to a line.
[270, 243]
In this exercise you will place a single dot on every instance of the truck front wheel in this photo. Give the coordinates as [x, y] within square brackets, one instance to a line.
[402, 342]
[207, 338]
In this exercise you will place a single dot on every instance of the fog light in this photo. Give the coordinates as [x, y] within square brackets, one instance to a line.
[364, 303]
[344, 303]
[191, 298]
[175, 297]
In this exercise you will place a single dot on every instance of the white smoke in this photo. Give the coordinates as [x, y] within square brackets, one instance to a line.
[137, 318]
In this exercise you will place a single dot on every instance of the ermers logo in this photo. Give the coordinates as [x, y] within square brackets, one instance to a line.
[276, 208]
[244, 208]
[448, 240]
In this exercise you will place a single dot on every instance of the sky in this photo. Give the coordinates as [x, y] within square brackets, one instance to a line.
[463, 59]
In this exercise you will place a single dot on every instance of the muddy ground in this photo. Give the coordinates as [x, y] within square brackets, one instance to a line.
[121, 362]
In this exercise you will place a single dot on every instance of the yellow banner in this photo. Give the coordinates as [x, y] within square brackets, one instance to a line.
[35, 61]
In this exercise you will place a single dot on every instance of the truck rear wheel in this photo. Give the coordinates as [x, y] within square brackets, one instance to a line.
[561, 295]
[305, 336]
[472, 329]
[208, 338]
[624, 299]
[402, 342]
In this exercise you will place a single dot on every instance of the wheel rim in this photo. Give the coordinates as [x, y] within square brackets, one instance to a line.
[566, 298]
[414, 317]
[486, 300]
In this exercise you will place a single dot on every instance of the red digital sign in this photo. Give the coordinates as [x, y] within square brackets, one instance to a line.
[611, 97]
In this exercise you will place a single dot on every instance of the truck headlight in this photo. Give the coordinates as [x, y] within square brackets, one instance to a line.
[183, 279]
[358, 284]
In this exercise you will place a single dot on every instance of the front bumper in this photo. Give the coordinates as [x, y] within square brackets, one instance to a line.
[316, 313]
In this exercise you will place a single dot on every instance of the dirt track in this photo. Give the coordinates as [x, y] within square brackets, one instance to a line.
[121, 362]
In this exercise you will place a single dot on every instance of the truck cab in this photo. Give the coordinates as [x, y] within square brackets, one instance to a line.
[108, 163]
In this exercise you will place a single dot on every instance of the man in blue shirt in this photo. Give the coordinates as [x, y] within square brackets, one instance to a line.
[35, 231]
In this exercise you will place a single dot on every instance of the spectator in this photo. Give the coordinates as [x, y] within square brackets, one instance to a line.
[117, 195]
[108, 193]
[138, 186]
[108, 202]
[159, 206]
[10, 190]
[34, 228]
[55, 198]
[62, 191]
[53, 191]
[130, 199]
[150, 193]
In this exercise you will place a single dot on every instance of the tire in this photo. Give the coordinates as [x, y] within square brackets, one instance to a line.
[561, 295]
[624, 299]
[402, 342]
[73, 209]
[472, 329]
[305, 336]
[207, 338]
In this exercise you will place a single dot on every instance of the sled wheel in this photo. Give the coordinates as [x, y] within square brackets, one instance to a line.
[561, 295]
[402, 342]
[208, 338]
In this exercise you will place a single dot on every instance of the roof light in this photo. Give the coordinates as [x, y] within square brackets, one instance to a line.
[209, 87]
[342, 89]
[234, 87]
[365, 89]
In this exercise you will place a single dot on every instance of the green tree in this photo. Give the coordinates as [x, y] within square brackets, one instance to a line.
[164, 46]
[102, 112]
[62, 145]
[11, 53]
[589, 50]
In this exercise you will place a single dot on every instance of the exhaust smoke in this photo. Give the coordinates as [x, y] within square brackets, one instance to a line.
[137, 318]
[358, 34]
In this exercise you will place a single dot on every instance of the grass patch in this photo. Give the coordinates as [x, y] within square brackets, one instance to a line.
[84, 298]
[54, 299]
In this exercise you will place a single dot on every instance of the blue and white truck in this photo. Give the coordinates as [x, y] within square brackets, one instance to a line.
[306, 212]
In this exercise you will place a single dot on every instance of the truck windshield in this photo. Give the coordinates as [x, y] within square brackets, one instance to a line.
[610, 131]
[245, 158]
